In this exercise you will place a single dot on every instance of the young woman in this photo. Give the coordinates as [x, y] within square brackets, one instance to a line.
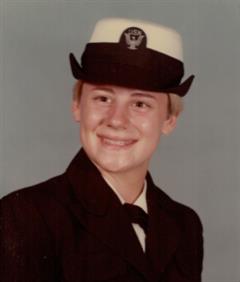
[104, 219]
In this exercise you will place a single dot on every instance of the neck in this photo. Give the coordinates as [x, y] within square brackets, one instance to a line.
[128, 184]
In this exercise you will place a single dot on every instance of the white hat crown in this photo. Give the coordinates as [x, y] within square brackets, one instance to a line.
[159, 38]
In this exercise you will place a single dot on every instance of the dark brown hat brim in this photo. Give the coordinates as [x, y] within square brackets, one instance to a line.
[130, 76]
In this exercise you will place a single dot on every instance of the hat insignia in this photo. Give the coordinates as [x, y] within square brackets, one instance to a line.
[134, 37]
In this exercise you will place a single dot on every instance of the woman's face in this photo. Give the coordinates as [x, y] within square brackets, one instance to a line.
[120, 127]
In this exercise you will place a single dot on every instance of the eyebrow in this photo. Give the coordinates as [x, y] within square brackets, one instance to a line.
[134, 94]
[145, 95]
[97, 88]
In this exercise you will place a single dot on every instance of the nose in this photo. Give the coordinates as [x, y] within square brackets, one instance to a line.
[117, 117]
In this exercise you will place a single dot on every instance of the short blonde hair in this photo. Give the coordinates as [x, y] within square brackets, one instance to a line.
[77, 90]
[175, 106]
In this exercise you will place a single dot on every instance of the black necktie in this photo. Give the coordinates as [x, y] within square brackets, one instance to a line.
[137, 215]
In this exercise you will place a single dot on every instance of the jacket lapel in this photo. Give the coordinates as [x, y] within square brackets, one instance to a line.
[163, 233]
[98, 208]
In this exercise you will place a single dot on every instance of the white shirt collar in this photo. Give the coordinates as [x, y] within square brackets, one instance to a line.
[141, 201]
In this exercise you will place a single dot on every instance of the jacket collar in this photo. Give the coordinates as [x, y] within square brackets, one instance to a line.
[89, 187]
[163, 233]
[98, 208]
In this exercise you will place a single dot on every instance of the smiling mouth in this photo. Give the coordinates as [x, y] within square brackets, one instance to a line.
[116, 143]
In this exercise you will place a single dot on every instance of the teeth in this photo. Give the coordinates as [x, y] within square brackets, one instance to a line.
[116, 142]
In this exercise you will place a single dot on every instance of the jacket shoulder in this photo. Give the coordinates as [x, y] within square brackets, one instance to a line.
[184, 214]
[25, 233]
[36, 203]
[39, 190]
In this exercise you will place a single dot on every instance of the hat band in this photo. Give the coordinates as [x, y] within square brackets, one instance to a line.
[143, 68]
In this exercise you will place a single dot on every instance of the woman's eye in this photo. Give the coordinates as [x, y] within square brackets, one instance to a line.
[140, 104]
[102, 99]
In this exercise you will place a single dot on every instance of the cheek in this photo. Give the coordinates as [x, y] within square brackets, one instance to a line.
[90, 119]
[152, 127]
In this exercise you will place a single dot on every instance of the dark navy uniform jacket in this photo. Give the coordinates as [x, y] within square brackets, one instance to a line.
[72, 228]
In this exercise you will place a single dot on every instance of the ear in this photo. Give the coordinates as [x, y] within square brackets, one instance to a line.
[76, 110]
[169, 124]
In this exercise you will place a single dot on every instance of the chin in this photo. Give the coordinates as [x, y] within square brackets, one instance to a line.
[120, 165]
[112, 165]
[116, 161]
